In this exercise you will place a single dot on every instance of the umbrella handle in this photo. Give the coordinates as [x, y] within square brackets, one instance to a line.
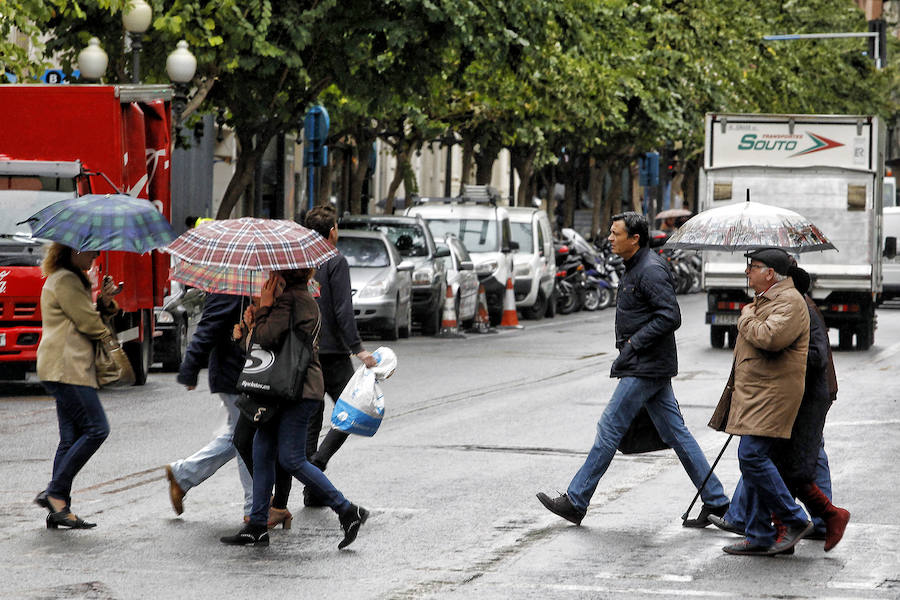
[708, 475]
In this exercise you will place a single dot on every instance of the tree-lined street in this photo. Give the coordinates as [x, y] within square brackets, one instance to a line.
[474, 429]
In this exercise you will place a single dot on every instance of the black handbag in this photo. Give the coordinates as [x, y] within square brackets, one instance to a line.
[255, 411]
[277, 377]
[641, 436]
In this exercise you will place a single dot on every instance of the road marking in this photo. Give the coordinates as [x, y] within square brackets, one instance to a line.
[862, 423]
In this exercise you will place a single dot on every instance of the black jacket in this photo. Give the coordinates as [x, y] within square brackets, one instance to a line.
[338, 334]
[212, 346]
[796, 458]
[647, 316]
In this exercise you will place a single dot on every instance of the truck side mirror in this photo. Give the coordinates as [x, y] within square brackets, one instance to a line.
[513, 245]
[890, 247]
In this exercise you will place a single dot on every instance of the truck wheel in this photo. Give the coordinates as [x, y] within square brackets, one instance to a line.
[845, 338]
[140, 353]
[717, 336]
[732, 336]
[865, 336]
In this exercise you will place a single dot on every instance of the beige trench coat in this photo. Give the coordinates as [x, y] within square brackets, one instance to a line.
[70, 325]
[770, 363]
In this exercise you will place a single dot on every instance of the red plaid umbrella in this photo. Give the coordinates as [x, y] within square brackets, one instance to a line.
[252, 244]
[220, 280]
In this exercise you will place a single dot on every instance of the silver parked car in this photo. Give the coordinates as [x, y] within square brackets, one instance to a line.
[462, 279]
[413, 240]
[380, 282]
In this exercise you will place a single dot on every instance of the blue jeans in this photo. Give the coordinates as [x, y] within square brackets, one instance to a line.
[657, 396]
[201, 465]
[284, 439]
[737, 512]
[765, 491]
[82, 430]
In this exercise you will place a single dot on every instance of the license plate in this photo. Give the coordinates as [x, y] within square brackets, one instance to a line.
[725, 319]
[2, 339]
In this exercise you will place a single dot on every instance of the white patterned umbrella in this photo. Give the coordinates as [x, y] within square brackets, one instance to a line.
[747, 226]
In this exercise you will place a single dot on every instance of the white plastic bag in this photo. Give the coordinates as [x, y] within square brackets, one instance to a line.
[360, 408]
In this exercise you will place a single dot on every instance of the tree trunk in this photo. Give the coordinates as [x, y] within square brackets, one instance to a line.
[468, 152]
[595, 190]
[691, 169]
[571, 192]
[252, 148]
[325, 175]
[484, 163]
[636, 190]
[614, 202]
[523, 163]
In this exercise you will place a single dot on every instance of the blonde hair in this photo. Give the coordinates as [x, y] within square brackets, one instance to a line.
[59, 256]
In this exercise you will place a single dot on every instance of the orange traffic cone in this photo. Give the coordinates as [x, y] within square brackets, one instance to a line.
[449, 328]
[482, 318]
[510, 318]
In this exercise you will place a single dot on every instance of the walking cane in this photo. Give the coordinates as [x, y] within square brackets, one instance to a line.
[708, 475]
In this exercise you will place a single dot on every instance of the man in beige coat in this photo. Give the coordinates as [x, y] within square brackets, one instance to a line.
[769, 370]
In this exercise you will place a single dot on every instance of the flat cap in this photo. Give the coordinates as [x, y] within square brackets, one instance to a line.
[776, 258]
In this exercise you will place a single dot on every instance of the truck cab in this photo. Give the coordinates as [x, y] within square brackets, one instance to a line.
[62, 141]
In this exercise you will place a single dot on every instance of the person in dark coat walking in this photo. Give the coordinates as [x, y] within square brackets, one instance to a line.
[337, 340]
[212, 347]
[647, 316]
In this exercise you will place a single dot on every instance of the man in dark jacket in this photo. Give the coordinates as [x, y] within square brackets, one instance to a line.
[212, 346]
[647, 316]
[338, 338]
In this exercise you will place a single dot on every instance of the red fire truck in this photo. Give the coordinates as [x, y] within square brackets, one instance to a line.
[61, 141]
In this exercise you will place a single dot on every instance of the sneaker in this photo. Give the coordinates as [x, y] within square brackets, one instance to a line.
[351, 520]
[721, 523]
[746, 548]
[791, 536]
[702, 519]
[561, 506]
[250, 535]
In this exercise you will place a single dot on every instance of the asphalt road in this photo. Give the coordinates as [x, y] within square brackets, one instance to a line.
[475, 428]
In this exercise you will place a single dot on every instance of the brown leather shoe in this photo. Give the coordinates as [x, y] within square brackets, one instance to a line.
[176, 494]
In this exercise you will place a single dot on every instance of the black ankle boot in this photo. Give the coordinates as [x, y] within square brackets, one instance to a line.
[351, 519]
[250, 535]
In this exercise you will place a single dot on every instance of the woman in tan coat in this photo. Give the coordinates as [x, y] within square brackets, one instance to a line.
[65, 365]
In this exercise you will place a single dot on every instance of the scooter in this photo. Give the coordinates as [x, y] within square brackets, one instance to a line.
[570, 280]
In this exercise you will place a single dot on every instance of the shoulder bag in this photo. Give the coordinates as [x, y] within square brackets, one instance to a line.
[277, 377]
[111, 363]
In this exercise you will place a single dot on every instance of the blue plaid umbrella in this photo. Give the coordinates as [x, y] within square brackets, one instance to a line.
[103, 222]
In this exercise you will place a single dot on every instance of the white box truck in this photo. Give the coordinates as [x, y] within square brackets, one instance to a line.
[829, 168]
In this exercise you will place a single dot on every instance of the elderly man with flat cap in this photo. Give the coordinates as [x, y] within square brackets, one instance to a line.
[769, 368]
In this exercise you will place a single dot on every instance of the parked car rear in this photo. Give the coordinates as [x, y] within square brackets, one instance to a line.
[380, 283]
[414, 242]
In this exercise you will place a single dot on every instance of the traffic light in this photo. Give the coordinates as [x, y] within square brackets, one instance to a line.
[878, 26]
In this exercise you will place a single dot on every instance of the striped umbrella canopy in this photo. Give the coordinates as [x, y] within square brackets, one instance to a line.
[103, 222]
[252, 244]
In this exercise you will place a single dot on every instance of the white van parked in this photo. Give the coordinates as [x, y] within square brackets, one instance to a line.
[483, 227]
[535, 266]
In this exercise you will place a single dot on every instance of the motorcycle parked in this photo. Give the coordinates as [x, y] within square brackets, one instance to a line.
[570, 280]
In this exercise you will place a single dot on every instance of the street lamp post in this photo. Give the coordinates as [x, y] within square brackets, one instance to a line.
[136, 18]
[92, 61]
[180, 66]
